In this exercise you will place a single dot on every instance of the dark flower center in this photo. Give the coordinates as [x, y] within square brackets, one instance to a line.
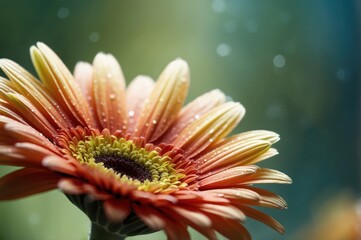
[125, 166]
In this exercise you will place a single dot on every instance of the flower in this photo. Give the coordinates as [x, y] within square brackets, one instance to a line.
[133, 159]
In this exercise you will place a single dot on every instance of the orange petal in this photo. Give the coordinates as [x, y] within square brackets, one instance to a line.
[238, 193]
[58, 164]
[83, 75]
[193, 217]
[223, 210]
[117, 210]
[232, 154]
[32, 115]
[230, 228]
[60, 82]
[25, 182]
[209, 128]
[18, 132]
[150, 216]
[228, 178]
[194, 110]
[268, 199]
[138, 92]
[264, 218]
[109, 92]
[265, 175]
[265, 135]
[165, 101]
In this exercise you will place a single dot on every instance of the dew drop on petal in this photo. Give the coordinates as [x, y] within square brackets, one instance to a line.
[154, 122]
[112, 96]
[131, 113]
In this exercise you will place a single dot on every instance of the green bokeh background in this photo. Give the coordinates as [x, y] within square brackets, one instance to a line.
[293, 64]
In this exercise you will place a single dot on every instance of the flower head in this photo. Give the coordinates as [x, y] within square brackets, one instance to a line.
[133, 159]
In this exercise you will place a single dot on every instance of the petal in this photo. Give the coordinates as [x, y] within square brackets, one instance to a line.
[268, 199]
[150, 216]
[165, 101]
[34, 91]
[265, 175]
[83, 75]
[227, 178]
[265, 135]
[264, 218]
[138, 92]
[192, 217]
[60, 82]
[195, 109]
[117, 210]
[232, 154]
[13, 131]
[25, 182]
[109, 92]
[230, 228]
[23, 154]
[32, 115]
[58, 164]
[209, 128]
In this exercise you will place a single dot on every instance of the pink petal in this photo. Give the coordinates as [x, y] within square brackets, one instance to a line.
[109, 92]
[138, 92]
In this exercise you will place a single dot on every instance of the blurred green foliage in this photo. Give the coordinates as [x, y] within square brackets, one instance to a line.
[293, 64]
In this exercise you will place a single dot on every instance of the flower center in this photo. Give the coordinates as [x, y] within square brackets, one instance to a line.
[129, 161]
[124, 166]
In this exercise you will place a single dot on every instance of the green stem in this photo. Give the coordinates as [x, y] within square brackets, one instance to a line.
[99, 233]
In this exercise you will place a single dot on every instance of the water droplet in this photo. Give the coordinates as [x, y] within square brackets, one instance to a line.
[223, 49]
[131, 113]
[211, 131]
[211, 140]
[279, 61]
[154, 121]
[112, 96]
[63, 12]
[197, 116]
[109, 75]
[94, 37]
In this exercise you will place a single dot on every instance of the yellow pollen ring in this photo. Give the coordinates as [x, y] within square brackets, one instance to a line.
[163, 174]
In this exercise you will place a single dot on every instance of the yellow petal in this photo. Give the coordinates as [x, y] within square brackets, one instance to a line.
[209, 128]
[60, 82]
[194, 110]
[165, 101]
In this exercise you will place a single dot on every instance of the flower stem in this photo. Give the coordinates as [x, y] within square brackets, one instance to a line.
[99, 233]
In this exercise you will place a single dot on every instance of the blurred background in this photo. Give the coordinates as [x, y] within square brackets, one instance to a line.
[293, 64]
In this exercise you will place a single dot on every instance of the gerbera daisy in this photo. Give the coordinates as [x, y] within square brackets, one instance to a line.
[133, 159]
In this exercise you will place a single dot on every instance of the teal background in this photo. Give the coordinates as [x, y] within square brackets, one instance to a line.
[293, 64]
